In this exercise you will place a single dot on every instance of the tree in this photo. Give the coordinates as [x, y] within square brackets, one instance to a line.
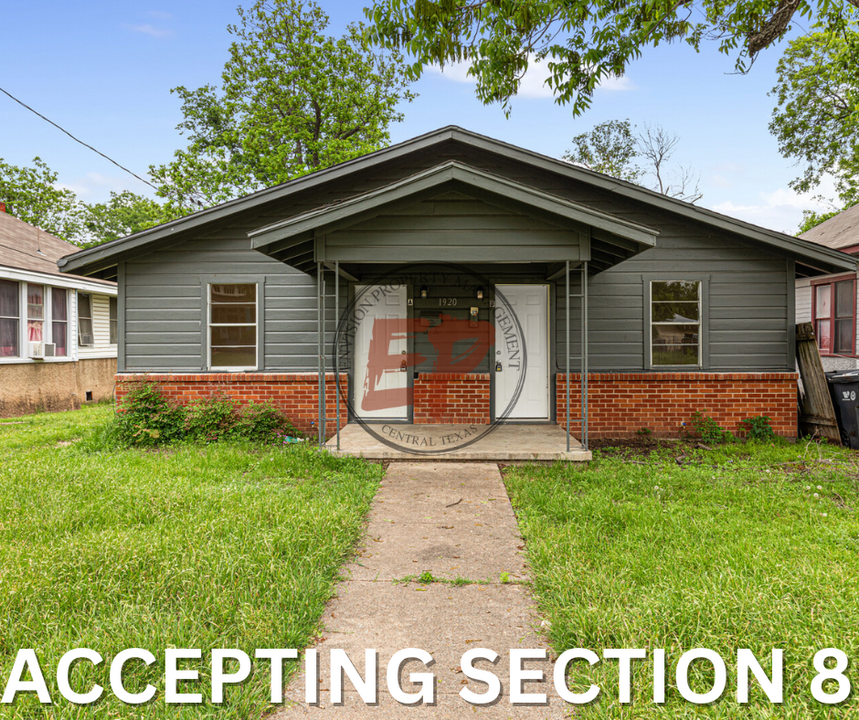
[124, 214]
[613, 148]
[609, 148]
[584, 41]
[292, 100]
[816, 120]
[31, 194]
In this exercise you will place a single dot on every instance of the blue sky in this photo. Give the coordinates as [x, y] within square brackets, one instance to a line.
[104, 70]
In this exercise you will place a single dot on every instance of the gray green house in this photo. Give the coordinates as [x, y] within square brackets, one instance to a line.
[455, 279]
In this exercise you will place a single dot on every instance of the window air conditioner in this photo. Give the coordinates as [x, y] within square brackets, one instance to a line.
[50, 349]
[85, 340]
[37, 350]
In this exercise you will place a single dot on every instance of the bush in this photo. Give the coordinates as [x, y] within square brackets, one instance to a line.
[709, 431]
[758, 428]
[146, 417]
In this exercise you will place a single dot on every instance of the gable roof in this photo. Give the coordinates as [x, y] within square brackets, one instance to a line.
[290, 239]
[840, 231]
[813, 258]
[25, 247]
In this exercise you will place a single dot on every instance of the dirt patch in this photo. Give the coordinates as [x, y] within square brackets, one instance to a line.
[640, 445]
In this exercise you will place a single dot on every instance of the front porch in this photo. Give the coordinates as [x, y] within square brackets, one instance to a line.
[502, 443]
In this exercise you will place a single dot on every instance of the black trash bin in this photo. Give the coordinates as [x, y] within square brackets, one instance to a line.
[844, 388]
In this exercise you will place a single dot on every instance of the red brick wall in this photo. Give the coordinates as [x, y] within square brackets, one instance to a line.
[452, 398]
[296, 393]
[621, 404]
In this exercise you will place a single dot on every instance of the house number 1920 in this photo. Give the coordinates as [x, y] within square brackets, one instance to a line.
[447, 302]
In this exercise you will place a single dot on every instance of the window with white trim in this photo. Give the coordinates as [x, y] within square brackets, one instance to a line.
[232, 326]
[35, 313]
[834, 313]
[675, 323]
[85, 334]
[10, 318]
[113, 320]
[60, 321]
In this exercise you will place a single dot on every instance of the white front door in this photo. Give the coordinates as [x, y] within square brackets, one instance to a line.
[379, 303]
[530, 303]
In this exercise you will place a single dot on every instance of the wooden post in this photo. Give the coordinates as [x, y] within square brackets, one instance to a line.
[817, 415]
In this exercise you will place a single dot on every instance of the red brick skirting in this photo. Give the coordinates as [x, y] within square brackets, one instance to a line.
[621, 404]
[455, 398]
[295, 393]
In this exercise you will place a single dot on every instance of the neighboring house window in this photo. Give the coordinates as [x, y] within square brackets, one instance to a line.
[10, 314]
[85, 336]
[35, 312]
[113, 326]
[834, 312]
[60, 321]
[675, 322]
[233, 327]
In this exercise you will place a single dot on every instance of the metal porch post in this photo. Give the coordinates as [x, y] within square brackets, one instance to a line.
[320, 347]
[567, 320]
[585, 354]
[336, 346]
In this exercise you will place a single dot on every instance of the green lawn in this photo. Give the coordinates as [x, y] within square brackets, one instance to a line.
[189, 547]
[732, 548]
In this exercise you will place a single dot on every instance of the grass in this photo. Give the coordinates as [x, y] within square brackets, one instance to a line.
[191, 547]
[745, 546]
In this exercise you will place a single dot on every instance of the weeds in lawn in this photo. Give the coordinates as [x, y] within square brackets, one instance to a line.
[229, 545]
[742, 546]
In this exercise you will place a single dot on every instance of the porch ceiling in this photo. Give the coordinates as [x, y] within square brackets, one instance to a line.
[555, 230]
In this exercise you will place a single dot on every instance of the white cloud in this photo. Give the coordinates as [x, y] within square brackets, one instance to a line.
[780, 209]
[150, 30]
[534, 81]
[617, 83]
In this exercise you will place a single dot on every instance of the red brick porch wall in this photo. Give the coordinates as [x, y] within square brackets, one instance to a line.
[620, 404]
[295, 393]
[454, 398]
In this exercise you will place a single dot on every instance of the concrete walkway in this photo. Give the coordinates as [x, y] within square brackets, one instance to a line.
[455, 521]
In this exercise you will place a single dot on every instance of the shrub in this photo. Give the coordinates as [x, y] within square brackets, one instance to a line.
[709, 431]
[758, 428]
[146, 417]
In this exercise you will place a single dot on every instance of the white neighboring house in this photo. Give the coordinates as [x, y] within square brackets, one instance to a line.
[57, 331]
[830, 301]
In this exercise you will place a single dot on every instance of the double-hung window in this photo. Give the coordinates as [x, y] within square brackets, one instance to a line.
[233, 326]
[834, 317]
[35, 312]
[675, 323]
[113, 320]
[85, 333]
[10, 317]
[60, 321]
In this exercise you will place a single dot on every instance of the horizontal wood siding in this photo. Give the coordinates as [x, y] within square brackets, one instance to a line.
[748, 295]
[747, 309]
[455, 227]
[165, 314]
[803, 300]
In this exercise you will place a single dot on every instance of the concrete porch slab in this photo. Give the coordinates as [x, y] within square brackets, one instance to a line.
[505, 443]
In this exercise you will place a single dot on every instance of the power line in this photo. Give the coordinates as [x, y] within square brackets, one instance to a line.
[35, 112]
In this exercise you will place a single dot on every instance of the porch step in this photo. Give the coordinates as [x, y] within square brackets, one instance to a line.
[456, 443]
